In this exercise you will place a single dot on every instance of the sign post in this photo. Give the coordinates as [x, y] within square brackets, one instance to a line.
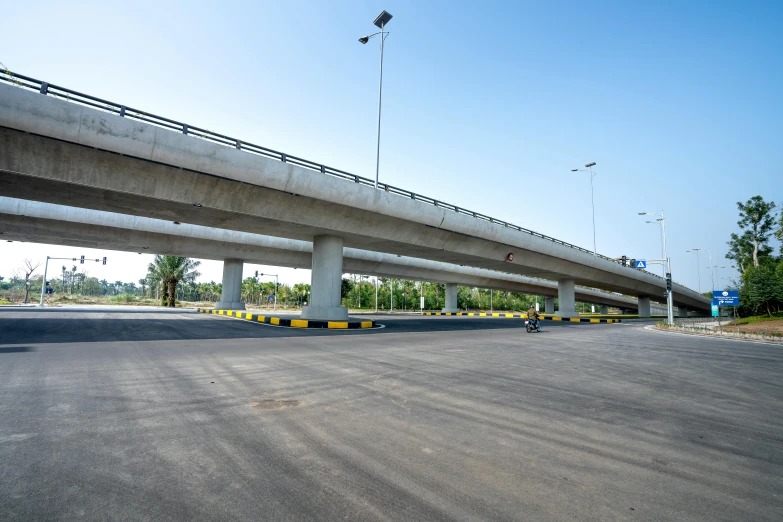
[724, 298]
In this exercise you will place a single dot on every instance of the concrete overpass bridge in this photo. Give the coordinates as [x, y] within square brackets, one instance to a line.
[36, 222]
[81, 151]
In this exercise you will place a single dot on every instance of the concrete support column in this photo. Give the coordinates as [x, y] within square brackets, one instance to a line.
[326, 281]
[623, 311]
[604, 309]
[451, 298]
[565, 299]
[231, 296]
[644, 306]
[549, 305]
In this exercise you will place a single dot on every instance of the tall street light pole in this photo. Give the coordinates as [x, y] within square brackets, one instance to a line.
[662, 220]
[592, 195]
[381, 20]
[669, 301]
[698, 264]
[716, 273]
[712, 275]
[663, 254]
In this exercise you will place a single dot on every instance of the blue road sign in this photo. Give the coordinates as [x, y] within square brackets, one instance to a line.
[641, 263]
[725, 297]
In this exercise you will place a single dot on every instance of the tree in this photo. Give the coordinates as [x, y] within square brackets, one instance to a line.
[759, 216]
[28, 270]
[741, 250]
[169, 271]
[300, 291]
[779, 232]
[764, 286]
[73, 277]
[345, 288]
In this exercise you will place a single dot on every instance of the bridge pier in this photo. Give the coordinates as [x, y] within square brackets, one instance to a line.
[644, 306]
[451, 298]
[326, 281]
[604, 309]
[565, 299]
[231, 296]
[549, 305]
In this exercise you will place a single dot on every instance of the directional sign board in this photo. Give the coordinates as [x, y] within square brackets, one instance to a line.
[725, 297]
[641, 263]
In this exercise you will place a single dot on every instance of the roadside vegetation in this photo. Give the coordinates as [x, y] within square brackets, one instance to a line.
[761, 281]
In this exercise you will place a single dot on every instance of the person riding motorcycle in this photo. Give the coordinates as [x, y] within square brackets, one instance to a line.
[532, 316]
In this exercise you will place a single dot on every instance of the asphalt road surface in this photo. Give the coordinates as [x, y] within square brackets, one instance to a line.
[149, 415]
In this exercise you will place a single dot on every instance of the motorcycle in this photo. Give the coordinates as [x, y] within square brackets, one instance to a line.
[531, 326]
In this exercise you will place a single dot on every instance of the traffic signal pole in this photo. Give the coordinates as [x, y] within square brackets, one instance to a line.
[43, 283]
[669, 299]
[46, 269]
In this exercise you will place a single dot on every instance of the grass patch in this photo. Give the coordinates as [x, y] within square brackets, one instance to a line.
[760, 318]
[123, 299]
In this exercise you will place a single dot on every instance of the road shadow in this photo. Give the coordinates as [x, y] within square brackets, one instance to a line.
[97, 310]
[53, 328]
[15, 349]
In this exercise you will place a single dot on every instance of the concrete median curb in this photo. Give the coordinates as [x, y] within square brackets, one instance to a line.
[524, 316]
[289, 322]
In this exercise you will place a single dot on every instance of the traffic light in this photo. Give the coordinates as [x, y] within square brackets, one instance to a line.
[633, 263]
[256, 273]
[104, 260]
[668, 281]
[82, 261]
[625, 261]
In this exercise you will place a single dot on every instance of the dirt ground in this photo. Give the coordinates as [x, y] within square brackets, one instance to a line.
[764, 326]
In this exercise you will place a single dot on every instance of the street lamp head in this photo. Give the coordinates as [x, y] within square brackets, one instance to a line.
[591, 164]
[364, 39]
[574, 170]
[382, 19]
[642, 213]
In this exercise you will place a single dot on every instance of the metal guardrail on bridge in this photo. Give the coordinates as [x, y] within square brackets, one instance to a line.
[166, 123]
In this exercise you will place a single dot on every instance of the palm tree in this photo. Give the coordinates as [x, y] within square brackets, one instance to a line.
[300, 291]
[143, 283]
[169, 271]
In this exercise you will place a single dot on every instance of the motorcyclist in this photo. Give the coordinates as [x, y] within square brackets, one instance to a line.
[532, 315]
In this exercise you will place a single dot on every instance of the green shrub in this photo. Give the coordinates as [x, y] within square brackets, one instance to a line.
[123, 299]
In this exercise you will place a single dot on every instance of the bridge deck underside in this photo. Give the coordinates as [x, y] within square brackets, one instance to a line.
[49, 170]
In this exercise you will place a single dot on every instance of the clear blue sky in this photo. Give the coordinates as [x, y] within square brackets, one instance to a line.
[679, 103]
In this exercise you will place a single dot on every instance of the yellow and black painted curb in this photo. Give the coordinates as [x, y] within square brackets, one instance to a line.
[524, 316]
[292, 323]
